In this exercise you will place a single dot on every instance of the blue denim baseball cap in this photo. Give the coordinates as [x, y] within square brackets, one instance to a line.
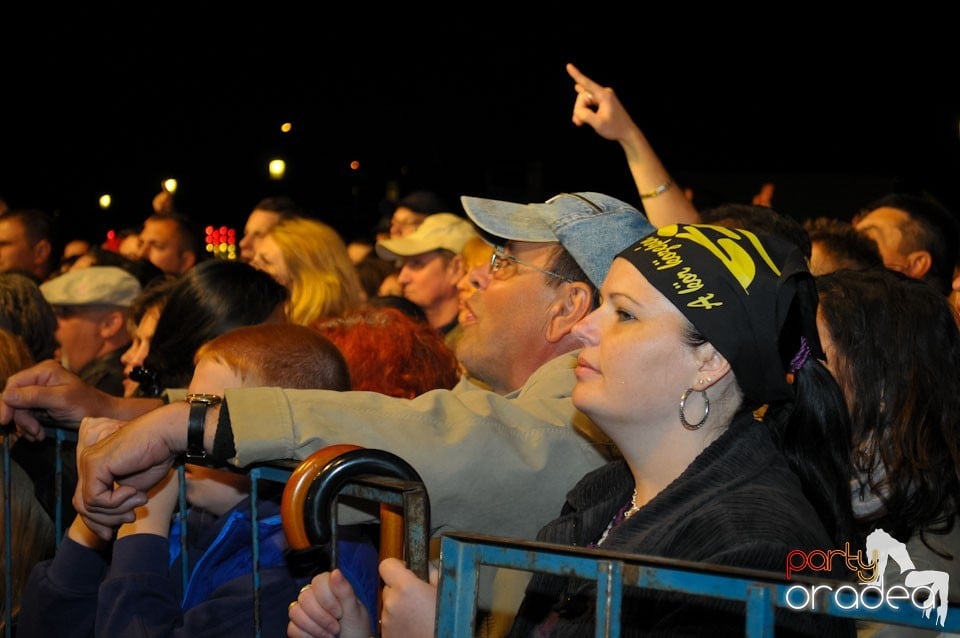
[592, 227]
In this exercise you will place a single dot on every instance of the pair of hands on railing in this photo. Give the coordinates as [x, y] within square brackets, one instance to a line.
[329, 606]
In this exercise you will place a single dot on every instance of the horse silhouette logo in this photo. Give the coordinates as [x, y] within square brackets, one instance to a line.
[882, 547]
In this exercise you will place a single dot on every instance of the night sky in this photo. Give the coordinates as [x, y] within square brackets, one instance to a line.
[113, 99]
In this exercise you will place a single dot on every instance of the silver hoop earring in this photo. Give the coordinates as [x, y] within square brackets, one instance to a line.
[706, 410]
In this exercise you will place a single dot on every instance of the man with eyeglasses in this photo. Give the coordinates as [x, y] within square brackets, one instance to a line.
[493, 460]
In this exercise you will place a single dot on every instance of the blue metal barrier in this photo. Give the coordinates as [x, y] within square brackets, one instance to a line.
[462, 554]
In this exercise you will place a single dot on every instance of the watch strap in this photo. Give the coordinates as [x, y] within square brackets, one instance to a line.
[199, 403]
[198, 416]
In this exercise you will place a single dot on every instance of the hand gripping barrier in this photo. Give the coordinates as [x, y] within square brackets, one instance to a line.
[310, 499]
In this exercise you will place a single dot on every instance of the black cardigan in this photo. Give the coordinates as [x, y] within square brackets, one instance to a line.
[738, 504]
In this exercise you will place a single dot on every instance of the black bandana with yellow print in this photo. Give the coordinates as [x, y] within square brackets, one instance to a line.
[750, 294]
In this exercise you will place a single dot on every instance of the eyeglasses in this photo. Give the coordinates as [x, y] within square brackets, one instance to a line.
[501, 267]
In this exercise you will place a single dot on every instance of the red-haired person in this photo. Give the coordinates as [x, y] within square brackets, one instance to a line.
[392, 353]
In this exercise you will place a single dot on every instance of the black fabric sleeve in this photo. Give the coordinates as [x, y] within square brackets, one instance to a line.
[223, 445]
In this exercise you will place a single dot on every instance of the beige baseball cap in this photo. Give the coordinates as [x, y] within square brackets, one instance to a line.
[93, 286]
[438, 231]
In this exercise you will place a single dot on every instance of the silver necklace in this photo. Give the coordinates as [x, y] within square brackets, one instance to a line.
[634, 507]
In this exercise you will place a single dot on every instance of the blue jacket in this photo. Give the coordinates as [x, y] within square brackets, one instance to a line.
[140, 592]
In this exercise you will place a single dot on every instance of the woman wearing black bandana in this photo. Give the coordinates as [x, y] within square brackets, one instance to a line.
[700, 330]
[698, 316]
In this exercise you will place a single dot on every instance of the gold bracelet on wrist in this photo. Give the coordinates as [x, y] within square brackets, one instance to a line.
[658, 191]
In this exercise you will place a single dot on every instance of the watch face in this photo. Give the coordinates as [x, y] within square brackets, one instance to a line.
[209, 399]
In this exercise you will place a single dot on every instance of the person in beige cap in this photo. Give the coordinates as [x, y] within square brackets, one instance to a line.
[431, 267]
[91, 305]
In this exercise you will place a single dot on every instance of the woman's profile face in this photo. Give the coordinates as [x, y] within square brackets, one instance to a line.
[136, 354]
[635, 363]
[269, 259]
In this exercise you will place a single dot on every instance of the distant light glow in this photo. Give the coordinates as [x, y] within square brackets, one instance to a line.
[355, 165]
[105, 201]
[286, 127]
[277, 168]
[169, 185]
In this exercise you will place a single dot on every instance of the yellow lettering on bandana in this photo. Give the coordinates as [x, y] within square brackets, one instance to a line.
[703, 301]
[726, 249]
[690, 280]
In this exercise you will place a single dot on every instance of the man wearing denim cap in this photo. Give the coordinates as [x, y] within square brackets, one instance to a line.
[493, 461]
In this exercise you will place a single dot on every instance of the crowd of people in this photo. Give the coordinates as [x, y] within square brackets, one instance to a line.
[724, 385]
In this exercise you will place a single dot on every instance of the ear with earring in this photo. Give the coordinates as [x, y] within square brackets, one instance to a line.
[701, 383]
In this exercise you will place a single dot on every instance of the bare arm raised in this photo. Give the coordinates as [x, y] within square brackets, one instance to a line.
[599, 107]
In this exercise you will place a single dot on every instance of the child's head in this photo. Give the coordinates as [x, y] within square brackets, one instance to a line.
[274, 354]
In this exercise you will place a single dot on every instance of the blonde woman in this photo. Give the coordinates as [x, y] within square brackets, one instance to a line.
[311, 260]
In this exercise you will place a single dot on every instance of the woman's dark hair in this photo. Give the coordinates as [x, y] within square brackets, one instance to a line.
[903, 405]
[814, 429]
[814, 435]
[209, 299]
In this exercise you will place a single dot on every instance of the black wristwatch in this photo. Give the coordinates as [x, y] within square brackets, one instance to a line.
[198, 416]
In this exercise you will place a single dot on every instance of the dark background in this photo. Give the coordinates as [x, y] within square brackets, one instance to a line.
[113, 98]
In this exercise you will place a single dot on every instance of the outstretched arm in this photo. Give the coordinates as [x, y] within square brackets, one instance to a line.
[598, 106]
[48, 390]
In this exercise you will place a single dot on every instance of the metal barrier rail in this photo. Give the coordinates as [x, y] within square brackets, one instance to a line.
[462, 554]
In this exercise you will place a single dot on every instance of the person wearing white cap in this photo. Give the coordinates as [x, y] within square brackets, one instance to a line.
[431, 267]
[91, 305]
